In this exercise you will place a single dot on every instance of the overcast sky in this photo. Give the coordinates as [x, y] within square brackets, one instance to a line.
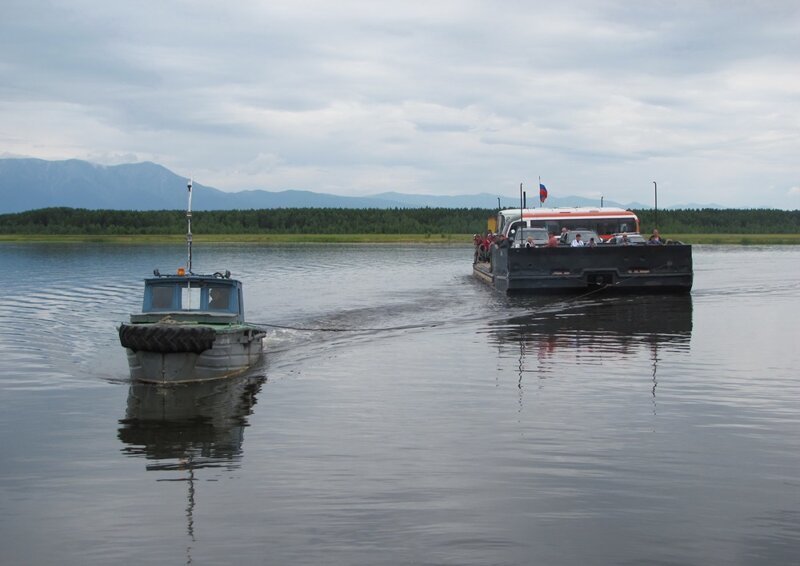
[433, 97]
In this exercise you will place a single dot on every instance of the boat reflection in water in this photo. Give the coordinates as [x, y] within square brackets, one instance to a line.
[594, 332]
[183, 428]
[193, 425]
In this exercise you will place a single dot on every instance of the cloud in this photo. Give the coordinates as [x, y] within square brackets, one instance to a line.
[426, 97]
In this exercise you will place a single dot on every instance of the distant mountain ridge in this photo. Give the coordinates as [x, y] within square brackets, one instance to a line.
[28, 184]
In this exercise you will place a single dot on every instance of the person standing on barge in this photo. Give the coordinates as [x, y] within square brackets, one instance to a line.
[655, 239]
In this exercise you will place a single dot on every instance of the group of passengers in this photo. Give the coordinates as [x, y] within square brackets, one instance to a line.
[579, 243]
[483, 244]
[654, 240]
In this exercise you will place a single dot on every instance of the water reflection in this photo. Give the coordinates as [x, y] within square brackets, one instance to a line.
[187, 427]
[620, 330]
[196, 425]
[616, 324]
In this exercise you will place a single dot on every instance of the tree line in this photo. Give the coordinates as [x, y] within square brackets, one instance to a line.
[79, 221]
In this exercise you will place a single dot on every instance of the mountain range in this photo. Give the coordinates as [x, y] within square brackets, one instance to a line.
[28, 184]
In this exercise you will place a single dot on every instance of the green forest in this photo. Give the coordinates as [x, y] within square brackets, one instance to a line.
[72, 221]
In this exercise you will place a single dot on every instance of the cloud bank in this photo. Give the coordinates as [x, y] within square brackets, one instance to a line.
[355, 98]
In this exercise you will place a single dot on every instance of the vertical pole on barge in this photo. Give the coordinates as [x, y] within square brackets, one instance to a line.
[655, 188]
[189, 230]
[521, 205]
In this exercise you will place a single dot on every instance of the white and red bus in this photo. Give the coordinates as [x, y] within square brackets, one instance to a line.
[604, 221]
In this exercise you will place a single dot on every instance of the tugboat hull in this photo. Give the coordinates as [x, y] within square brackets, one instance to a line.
[167, 354]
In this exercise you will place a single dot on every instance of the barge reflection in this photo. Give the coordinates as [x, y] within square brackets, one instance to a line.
[594, 333]
[617, 323]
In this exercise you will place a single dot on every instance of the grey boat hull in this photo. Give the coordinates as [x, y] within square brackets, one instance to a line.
[233, 350]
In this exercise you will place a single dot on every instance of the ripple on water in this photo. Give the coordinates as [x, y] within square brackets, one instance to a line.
[410, 412]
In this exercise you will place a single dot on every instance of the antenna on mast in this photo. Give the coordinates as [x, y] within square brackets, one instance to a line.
[189, 229]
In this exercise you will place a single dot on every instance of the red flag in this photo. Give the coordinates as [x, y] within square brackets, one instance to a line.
[542, 193]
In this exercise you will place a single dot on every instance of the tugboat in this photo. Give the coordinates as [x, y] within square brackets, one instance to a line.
[191, 328]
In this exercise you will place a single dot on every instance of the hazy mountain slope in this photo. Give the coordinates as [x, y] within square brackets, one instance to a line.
[27, 184]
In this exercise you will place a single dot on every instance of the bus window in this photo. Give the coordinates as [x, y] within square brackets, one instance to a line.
[607, 228]
[553, 228]
[515, 226]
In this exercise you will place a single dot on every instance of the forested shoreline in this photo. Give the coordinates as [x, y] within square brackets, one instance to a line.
[76, 221]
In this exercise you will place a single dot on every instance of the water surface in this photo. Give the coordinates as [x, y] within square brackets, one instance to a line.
[404, 414]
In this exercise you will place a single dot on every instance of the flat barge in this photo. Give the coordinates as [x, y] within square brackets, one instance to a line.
[618, 261]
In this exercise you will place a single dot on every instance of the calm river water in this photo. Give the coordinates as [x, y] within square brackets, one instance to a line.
[404, 414]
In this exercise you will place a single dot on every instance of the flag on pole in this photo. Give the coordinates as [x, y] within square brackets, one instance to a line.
[542, 193]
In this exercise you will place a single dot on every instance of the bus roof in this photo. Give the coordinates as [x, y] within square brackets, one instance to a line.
[566, 212]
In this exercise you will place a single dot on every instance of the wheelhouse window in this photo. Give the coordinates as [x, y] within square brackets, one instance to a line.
[190, 298]
[161, 298]
[219, 298]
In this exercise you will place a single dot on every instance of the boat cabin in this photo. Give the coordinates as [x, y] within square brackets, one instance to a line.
[202, 298]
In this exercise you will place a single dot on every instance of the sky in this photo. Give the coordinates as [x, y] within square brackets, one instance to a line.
[598, 98]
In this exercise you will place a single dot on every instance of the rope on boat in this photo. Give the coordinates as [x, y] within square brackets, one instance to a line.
[428, 325]
[335, 329]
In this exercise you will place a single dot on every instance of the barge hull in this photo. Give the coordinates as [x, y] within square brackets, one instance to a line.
[617, 269]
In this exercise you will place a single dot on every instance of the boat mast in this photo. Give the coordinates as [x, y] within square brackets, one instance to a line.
[189, 230]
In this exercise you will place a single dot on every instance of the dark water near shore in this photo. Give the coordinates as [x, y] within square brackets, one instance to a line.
[441, 424]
